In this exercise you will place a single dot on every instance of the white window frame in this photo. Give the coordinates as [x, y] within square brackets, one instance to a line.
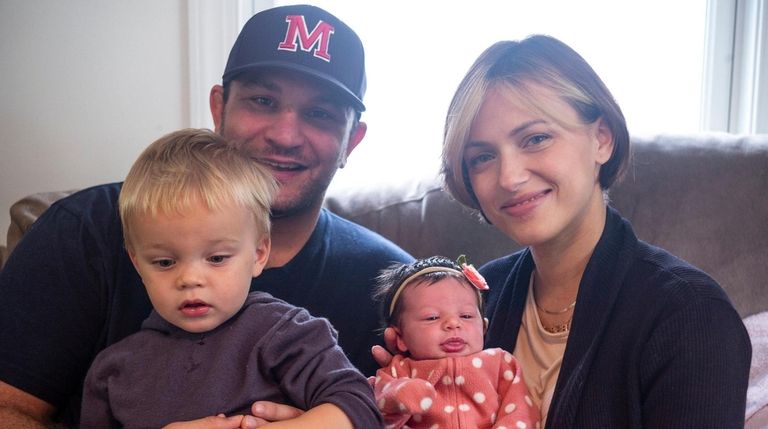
[735, 92]
[734, 97]
[212, 27]
[750, 81]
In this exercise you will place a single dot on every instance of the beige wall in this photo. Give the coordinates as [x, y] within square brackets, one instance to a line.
[86, 85]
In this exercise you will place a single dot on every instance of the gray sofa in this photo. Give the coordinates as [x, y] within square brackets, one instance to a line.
[702, 197]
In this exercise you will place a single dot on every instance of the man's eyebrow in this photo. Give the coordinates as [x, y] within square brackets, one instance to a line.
[325, 96]
[334, 99]
[255, 83]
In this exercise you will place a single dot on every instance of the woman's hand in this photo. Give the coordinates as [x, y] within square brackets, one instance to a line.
[381, 355]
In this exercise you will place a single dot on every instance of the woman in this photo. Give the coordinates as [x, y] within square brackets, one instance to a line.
[610, 331]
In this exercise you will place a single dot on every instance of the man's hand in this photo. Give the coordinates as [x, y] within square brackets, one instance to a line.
[213, 422]
[381, 355]
[265, 412]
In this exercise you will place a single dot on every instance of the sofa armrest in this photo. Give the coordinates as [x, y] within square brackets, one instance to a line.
[3, 255]
[758, 420]
[23, 214]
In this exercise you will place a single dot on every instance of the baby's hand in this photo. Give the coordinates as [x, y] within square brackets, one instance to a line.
[213, 422]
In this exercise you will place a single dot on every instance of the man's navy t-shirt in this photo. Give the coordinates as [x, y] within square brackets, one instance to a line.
[69, 290]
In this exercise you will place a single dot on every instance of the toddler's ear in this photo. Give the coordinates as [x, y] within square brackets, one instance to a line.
[485, 325]
[134, 260]
[261, 257]
[401, 346]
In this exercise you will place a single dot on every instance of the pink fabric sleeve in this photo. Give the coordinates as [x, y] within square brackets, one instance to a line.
[516, 408]
[398, 396]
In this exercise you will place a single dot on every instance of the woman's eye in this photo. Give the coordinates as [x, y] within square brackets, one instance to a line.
[475, 161]
[536, 140]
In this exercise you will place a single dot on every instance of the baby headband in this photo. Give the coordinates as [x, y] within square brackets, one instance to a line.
[467, 271]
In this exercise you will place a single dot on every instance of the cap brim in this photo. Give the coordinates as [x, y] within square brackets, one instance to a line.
[356, 102]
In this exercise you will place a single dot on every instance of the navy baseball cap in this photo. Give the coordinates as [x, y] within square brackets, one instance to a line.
[305, 39]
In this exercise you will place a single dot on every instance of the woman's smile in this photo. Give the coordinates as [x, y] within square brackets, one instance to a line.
[524, 205]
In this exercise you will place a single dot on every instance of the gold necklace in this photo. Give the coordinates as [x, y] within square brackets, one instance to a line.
[562, 327]
[555, 313]
[556, 329]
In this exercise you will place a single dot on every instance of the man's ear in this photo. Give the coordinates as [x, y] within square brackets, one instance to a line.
[216, 102]
[261, 257]
[401, 346]
[355, 137]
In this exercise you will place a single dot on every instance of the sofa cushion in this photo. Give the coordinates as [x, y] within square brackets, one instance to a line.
[420, 217]
[700, 196]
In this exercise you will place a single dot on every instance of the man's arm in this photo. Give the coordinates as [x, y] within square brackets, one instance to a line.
[67, 292]
[20, 410]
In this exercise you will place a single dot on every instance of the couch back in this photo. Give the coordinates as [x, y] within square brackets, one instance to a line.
[702, 197]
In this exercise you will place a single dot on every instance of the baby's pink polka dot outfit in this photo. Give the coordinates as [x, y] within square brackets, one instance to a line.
[482, 390]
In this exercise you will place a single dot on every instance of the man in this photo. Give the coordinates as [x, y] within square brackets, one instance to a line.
[291, 98]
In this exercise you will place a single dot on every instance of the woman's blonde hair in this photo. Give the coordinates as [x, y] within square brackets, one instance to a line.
[519, 66]
[193, 166]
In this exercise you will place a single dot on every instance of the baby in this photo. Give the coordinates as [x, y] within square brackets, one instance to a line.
[195, 214]
[442, 376]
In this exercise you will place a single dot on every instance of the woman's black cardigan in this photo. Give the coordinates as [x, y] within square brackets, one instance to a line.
[654, 341]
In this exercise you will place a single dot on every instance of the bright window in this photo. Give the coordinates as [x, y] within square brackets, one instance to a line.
[674, 66]
[417, 52]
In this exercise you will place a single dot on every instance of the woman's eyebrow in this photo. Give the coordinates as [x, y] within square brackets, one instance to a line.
[525, 125]
[514, 132]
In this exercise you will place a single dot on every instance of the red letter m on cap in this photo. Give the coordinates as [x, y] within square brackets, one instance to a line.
[297, 32]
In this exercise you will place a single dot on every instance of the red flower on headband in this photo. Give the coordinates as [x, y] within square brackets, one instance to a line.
[474, 276]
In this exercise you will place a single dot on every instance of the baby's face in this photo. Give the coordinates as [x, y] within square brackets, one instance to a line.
[440, 320]
[197, 266]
